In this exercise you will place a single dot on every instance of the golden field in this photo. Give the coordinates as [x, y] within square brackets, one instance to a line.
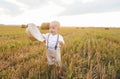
[90, 53]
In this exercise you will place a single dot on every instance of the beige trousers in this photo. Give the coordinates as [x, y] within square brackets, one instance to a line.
[54, 57]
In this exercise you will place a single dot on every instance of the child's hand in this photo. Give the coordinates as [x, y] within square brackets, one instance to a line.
[61, 43]
[44, 39]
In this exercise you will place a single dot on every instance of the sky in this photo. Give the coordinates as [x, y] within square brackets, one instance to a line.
[104, 13]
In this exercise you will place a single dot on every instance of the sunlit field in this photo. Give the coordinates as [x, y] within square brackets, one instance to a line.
[89, 53]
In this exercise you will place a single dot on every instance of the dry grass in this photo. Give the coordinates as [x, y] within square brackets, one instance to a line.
[89, 53]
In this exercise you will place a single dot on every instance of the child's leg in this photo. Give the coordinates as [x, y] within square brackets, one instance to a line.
[49, 55]
[59, 72]
[58, 61]
[50, 68]
[59, 69]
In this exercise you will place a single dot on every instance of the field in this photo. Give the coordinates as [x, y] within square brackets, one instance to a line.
[89, 53]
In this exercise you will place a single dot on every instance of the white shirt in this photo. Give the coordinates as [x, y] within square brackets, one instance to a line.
[51, 41]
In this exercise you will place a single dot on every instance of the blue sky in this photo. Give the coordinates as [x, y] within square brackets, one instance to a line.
[68, 12]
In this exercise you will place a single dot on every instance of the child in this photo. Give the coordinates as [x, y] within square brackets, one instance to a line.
[53, 43]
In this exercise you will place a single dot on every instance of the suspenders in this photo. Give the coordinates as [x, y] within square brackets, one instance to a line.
[56, 42]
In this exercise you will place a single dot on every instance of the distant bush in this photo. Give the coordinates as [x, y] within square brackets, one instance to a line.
[106, 28]
[82, 28]
[24, 26]
[77, 27]
[45, 26]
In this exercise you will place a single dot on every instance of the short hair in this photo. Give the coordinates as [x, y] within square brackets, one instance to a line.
[56, 23]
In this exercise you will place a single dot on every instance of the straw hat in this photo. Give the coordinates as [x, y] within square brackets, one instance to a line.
[33, 32]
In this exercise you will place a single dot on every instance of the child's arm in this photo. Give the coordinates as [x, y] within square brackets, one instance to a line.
[43, 35]
[61, 41]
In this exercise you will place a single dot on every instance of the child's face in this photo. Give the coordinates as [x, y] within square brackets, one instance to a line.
[53, 28]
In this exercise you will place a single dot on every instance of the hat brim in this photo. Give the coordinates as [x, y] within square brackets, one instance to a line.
[33, 32]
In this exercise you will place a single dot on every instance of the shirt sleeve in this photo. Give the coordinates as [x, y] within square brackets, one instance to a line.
[45, 36]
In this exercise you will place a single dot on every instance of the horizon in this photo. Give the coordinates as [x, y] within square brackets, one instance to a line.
[61, 26]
